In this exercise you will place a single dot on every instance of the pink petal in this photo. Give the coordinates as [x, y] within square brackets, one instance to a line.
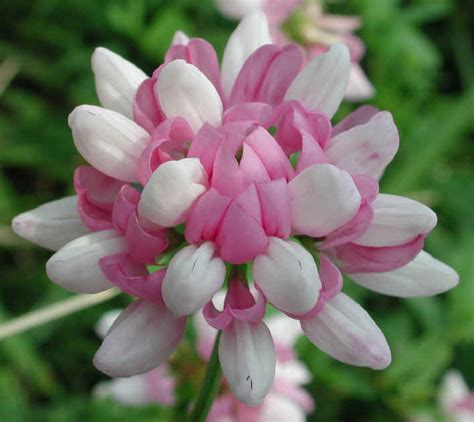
[201, 54]
[363, 259]
[240, 237]
[98, 188]
[132, 277]
[359, 87]
[266, 75]
[260, 113]
[125, 204]
[144, 245]
[292, 119]
[146, 109]
[206, 216]
[142, 337]
[360, 116]
[205, 146]
[250, 34]
[275, 207]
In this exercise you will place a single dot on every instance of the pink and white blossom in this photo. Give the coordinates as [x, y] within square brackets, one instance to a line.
[221, 169]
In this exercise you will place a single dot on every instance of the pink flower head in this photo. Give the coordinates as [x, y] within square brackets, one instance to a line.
[204, 173]
[304, 22]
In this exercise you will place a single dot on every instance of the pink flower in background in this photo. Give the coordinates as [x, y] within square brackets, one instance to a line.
[304, 22]
[455, 400]
[204, 173]
[286, 401]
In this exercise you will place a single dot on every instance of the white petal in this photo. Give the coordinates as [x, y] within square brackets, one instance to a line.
[133, 391]
[251, 34]
[397, 220]
[75, 266]
[284, 330]
[365, 149]
[116, 81]
[106, 321]
[292, 371]
[248, 358]
[192, 278]
[453, 390]
[346, 332]
[172, 190]
[280, 408]
[180, 38]
[183, 90]
[424, 276]
[141, 338]
[321, 85]
[323, 198]
[107, 140]
[237, 9]
[359, 87]
[51, 225]
[288, 276]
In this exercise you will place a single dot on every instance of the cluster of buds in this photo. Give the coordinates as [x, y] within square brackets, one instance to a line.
[208, 178]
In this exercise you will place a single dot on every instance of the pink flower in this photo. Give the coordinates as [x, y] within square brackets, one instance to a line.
[304, 22]
[235, 173]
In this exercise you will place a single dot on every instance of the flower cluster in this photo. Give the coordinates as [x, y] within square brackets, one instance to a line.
[287, 400]
[305, 23]
[208, 178]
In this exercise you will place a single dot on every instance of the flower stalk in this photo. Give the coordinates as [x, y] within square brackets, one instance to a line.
[210, 386]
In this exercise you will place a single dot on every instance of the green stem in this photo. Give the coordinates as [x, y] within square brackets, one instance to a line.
[210, 386]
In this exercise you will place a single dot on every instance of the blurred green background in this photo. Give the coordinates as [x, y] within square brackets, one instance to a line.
[421, 61]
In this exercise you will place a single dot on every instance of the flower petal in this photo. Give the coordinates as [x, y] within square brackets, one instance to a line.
[321, 85]
[237, 9]
[193, 276]
[141, 338]
[107, 140]
[323, 199]
[248, 359]
[51, 225]
[346, 332]
[75, 267]
[183, 90]
[116, 80]
[397, 220]
[359, 87]
[424, 276]
[171, 191]
[365, 149]
[288, 276]
[251, 34]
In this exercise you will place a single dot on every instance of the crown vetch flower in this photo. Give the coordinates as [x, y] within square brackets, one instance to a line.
[235, 173]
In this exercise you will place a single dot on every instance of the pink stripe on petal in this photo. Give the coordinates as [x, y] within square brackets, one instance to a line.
[352, 229]
[364, 259]
[368, 187]
[358, 117]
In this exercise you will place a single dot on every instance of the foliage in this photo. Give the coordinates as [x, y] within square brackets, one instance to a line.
[420, 58]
